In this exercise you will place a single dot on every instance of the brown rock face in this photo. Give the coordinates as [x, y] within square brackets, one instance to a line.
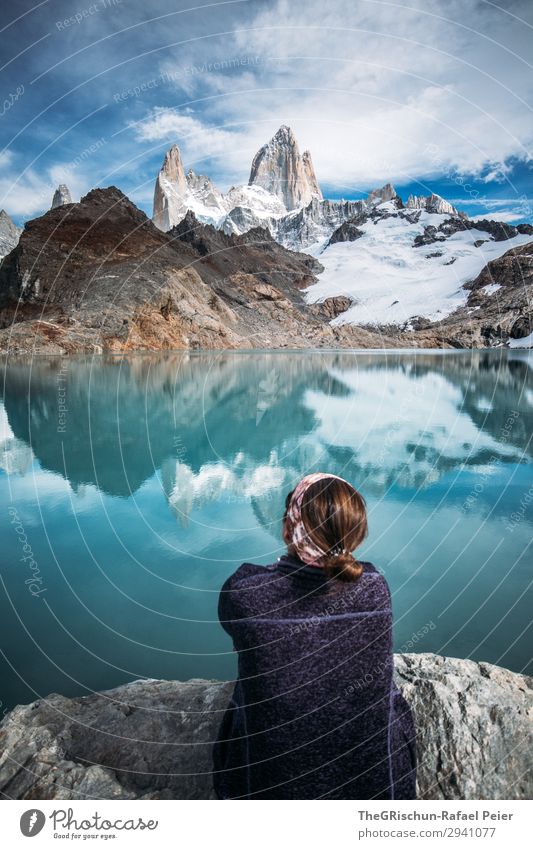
[98, 275]
[279, 168]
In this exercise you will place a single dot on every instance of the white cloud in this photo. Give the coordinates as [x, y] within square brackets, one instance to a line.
[498, 209]
[368, 87]
[6, 158]
[164, 123]
[29, 194]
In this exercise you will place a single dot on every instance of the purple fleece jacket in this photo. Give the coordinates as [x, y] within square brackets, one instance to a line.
[315, 713]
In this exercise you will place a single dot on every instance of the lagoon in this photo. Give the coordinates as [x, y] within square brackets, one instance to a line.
[131, 487]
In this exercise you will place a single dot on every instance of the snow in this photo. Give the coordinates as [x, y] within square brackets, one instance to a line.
[491, 288]
[525, 342]
[208, 206]
[262, 202]
[391, 281]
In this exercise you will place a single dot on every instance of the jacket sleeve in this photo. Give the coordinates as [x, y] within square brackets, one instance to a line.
[225, 605]
[231, 601]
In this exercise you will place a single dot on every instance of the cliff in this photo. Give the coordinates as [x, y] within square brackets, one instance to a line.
[152, 739]
[279, 168]
[98, 275]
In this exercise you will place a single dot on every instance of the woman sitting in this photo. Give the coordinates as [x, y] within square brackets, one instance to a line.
[315, 713]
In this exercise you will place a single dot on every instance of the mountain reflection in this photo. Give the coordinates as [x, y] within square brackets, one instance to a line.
[246, 425]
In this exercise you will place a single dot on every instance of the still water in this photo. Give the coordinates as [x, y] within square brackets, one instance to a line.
[132, 487]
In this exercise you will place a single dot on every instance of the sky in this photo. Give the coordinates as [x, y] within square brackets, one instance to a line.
[431, 95]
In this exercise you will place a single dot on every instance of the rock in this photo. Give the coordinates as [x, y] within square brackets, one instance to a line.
[98, 275]
[152, 739]
[432, 203]
[333, 306]
[347, 232]
[522, 327]
[386, 193]
[279, 168]
[499, 230]
[474, 727]
[61, 196]
[316, 222]
[428, 237]
[9, 233]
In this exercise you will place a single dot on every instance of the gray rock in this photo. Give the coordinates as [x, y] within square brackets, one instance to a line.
[432, 203]
[279, 168]
[152, 739]
[9, 233]
[61, 196]
[474, 727]
[386, 193]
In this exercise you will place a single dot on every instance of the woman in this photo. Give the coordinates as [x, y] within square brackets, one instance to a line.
[315, 713]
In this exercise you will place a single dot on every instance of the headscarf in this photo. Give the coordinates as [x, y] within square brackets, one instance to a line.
[305, 548]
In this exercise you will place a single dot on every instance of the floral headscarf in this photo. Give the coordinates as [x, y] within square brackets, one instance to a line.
[306, 550]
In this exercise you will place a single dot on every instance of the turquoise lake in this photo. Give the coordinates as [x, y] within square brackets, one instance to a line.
[130, 488]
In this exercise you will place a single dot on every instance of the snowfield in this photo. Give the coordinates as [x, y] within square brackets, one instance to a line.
[391, 281]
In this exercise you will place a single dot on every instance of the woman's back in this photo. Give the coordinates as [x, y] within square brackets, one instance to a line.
[315, 713]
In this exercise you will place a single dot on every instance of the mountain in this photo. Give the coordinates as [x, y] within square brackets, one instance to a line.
[409, 267]
[9, 233]
[61, 196]
[282, 195]
[433, 203]
[98, 275]
[279, 168]
[281, 180]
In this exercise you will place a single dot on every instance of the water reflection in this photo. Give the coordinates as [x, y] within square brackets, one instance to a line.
[246, 425]
[143, 481]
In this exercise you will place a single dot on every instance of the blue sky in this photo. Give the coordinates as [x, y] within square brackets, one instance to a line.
[432, 96]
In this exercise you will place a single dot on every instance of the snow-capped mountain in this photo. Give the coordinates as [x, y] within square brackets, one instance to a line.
[280, 169]
[281, 180]
[399, 264]
[282, 196]
[176, 192]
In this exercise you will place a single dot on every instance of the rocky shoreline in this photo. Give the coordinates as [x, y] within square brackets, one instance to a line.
[152, 739]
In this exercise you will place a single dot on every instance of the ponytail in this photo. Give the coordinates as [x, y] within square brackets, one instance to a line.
[343, 566]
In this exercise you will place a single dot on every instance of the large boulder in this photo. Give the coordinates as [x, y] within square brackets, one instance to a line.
[152, 739]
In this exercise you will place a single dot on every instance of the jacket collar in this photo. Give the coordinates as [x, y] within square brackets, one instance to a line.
[289, 564]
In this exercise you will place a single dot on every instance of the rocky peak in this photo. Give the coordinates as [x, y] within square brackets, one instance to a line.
[280, 168]
[9, 233]
[61, 196]
[310, 173]
[432, 203]
[386, 193]
[170, 189]
[176, 192]
[172, 168]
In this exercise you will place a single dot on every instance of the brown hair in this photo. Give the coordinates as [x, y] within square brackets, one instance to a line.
[334, 516]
